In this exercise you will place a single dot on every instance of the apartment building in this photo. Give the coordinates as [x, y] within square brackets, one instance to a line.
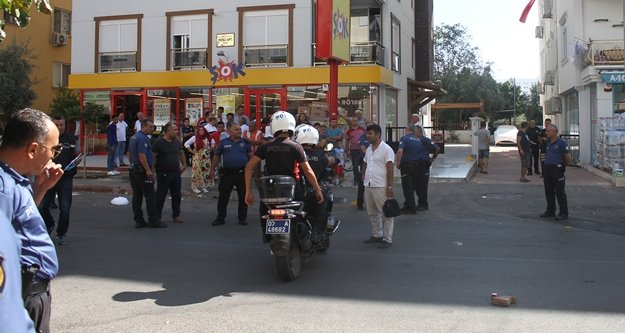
[581, 52]
[49, 38]
[177, 59]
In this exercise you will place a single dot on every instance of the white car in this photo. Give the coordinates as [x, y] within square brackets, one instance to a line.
[506, 134]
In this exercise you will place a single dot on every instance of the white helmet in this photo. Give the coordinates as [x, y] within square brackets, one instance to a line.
[282, 121]
[306, 134]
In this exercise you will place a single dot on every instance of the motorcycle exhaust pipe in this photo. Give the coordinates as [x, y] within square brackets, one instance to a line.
[333, 225]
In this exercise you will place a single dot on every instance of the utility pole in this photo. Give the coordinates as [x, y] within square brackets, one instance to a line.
[513, 100]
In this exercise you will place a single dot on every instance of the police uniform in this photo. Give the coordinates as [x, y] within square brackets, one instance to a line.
[553, 177]
[13, 316]
[318, 212]
[415, 169]
[63, 188]
[141, 185]
[234, 156]
[37, 249]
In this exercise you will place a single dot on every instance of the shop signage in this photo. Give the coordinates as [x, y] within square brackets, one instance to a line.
[225, 40]
[162, 108]
[333, 29]
[614, 77]
[193, 107]
[226, 71]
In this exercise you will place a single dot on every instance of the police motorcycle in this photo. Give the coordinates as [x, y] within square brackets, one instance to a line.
[291, 230]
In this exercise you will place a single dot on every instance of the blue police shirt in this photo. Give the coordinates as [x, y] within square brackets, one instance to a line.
[363, 141]
[234, 154]
[37, 247]
[556, 151]
[13, 315]
[416, 149]
[140, 143]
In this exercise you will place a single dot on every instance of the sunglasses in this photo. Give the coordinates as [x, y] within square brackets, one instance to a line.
[56, 150]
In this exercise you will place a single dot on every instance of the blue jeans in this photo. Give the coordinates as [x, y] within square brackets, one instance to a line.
[64, 190]
[110, 160]
[119, 152]
[171, 182]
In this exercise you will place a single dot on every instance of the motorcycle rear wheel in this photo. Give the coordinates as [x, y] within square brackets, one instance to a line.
[290, 265]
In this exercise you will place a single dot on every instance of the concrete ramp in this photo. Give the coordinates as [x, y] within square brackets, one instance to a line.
[454, 166]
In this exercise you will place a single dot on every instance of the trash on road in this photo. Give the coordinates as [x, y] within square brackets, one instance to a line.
[120, 201]
[457, 243]
[500, 300]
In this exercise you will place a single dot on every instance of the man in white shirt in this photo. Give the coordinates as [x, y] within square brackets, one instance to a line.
[140, 116]
[211, 125]
[122, 127]
[415, 119]
[378, 181]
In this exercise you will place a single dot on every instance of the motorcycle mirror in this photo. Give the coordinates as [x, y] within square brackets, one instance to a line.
[329, 147]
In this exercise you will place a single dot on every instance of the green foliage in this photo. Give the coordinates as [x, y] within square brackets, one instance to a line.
[20, 10]
[92, 112]
[66, 103]
[15, 83]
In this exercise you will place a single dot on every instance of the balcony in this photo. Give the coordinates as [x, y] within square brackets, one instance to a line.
[605, 53]
[118, 62]
[266, 55]
[361, 53]
[188, 58]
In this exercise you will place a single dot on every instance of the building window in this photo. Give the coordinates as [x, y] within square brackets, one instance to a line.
[266, 35]
[10, 19]
[60, 72]
[189, 39]
[565, 40]
[62, 22]
[395, 44]
[118, 43]
[391, 108]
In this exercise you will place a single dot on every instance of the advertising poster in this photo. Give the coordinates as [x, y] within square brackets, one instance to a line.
[229, 102]
[162, 109]
[193, 106]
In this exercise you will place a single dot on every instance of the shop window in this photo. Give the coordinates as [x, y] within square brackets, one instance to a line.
[312, 101]
[391, 108]
[62, 21]
[189, 40]
[118, 43]
[395, 44]
[266, 34]
[60, 72]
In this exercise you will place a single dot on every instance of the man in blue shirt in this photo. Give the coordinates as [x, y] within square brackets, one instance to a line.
[142, 176]
[556, 159]
[29, 143]
[413, 160]
[111, 145]
[234, 152]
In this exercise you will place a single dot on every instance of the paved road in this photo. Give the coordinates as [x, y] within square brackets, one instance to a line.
[480, 237]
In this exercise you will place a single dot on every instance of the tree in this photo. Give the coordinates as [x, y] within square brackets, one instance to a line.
[15, 82]
[453, 51]
[66, 103]
[20, 10]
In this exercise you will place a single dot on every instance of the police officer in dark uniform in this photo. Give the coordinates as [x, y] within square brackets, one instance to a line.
[142, 176]
[63, 188]
[413, 160]
[542, 137]
[30, 142]
[557, 157]
[533, 134]
[235, 152]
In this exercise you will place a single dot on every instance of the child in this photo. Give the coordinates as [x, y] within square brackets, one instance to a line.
[339, 156]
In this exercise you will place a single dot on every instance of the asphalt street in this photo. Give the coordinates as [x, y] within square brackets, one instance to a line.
[478, 237]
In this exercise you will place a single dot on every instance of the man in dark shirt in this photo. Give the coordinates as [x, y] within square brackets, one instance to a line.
[543, 144]
[533, 133]
[111, 145]
[142, 176]
[187, 132]
[234, 152]
[523, 145]
[169, 162]
[63, 188]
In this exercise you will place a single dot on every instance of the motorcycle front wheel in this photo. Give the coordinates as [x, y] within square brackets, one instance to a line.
[290, 265]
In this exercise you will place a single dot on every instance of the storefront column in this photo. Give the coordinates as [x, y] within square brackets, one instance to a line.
[382, 105]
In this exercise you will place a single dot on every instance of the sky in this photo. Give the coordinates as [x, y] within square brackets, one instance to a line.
[495, 29]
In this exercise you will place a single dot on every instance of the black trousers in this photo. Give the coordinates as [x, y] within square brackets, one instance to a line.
[142, 187]
[228, 179]
[317, 212]
[409, 170]
[39, 307]
[535, 149]
[168, 181]
[553, 179]
[63, 189]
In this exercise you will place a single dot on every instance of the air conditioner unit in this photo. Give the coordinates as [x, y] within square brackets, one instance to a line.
[547, 107]
[540, 87]
[547, 8]
[550, 78]
[538, 31]
[59, 39]
[556, 105]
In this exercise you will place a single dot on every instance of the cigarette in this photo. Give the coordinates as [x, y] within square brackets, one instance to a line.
[47, 173]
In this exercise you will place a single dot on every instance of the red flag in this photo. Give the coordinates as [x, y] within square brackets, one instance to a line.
[526, 11]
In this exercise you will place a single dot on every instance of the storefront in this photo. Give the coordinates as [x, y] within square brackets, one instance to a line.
[615, 82]
[175, 95]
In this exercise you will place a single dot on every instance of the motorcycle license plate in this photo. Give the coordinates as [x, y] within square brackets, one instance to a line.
[278, 227]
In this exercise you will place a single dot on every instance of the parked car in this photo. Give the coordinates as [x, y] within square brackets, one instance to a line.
[505, 134]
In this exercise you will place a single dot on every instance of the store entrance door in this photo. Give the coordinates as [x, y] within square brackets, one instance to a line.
[129, 103]
[260, 103]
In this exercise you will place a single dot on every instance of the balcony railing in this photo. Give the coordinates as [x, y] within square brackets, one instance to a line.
[118, 62]
[361, 53]
[266, 55]
[601, 53]
[188, 58]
